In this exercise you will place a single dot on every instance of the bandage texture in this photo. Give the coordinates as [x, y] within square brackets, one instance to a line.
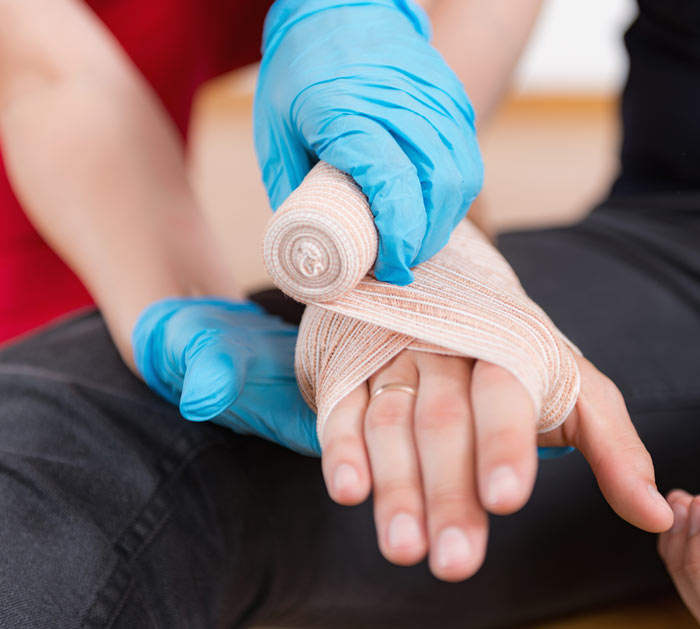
[465, 301]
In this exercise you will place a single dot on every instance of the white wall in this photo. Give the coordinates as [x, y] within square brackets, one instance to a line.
[577, 47]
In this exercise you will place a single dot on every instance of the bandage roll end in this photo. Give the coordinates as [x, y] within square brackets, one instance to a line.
[322, 240]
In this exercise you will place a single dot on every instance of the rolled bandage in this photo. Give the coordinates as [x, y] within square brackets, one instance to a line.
[465, 301]
[314, 249]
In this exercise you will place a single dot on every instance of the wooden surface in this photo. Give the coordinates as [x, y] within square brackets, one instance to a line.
[547, 160]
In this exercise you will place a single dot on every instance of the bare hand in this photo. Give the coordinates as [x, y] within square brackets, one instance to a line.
[467, 445]
[679, 547]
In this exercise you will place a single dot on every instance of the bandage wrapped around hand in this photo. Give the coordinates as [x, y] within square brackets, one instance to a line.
[319, 249]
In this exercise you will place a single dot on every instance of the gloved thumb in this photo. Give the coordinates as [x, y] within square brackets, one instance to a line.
[214, 379]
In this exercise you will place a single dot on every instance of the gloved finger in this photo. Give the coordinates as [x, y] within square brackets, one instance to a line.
[438, 136]
[274, 409]
[283, 160]
[365, 150]
[432, 152]
[301, 432]
[601, 428]
[447, 162]
[214, 377]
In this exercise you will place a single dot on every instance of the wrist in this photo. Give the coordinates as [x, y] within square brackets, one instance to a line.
[170, 273]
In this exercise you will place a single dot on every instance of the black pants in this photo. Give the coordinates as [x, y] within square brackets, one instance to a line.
[115, 512]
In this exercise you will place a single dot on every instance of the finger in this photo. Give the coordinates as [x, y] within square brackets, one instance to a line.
[365, 150]
[274, 409]
[442, 185]
[682, 497]
[214, 378]
[601, 428]
[457, 523]
[506, 438]
[692, 557]
[449, 177]
[398, 497]
[443, 148]
[344, 457]
[674, 545]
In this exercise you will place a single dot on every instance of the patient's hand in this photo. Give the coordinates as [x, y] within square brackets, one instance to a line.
[467, 445]
[680, 548]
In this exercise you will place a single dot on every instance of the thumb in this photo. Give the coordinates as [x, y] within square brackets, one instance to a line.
[214, 378]
[601, 428]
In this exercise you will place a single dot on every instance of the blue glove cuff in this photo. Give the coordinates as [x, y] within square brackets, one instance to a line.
[554, 453]
[285, 13]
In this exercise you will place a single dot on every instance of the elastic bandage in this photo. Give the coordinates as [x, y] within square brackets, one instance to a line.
[320, 247]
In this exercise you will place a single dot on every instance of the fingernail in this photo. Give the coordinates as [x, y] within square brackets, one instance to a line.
[345, 477]
[453, 548]
[680, 515]
[694, 518]
[403, 531]
[657, 497]
[503, 484]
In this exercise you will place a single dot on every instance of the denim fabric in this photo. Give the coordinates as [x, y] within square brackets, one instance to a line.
[116, 512]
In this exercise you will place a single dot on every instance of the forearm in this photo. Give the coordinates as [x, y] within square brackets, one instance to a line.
[101, 174]
[481, 40]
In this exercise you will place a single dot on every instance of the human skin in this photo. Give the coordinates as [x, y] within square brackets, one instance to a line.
[466, 447]
[474, 424]
[679, 547]
[76, 116]
[495, 32]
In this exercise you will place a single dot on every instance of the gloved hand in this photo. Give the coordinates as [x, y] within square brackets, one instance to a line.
[356, 83]
[229, 362]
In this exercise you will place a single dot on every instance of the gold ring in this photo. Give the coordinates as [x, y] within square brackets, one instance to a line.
[396, 386]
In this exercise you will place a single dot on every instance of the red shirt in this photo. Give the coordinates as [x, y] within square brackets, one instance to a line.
[177, 45]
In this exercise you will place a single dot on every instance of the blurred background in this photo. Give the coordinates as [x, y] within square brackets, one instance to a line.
[550, 154]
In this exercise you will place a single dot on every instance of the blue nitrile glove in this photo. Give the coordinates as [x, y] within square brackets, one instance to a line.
[357, 84]
[227, 361]
[554, 452]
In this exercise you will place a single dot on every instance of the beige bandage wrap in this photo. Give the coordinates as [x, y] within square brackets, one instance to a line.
[467, 301]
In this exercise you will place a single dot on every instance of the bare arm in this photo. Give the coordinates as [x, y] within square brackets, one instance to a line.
[97, 165]
[482, 41]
